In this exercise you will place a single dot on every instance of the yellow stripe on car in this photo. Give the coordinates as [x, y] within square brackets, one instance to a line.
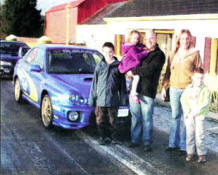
[33, 92]
[56, 108]
[56, 117]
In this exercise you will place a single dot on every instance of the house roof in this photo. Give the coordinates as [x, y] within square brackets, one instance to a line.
[63, 6]
[98, 17]
[137, 8]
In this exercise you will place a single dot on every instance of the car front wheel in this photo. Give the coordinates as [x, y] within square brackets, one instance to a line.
[46, 112]
[17, 91]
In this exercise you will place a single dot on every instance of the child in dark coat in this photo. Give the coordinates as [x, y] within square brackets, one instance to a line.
[108, 92]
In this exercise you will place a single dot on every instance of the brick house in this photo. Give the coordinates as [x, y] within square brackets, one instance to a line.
[61, 20]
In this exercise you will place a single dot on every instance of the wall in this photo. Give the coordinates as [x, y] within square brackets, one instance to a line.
[56, 25]
[93, 36]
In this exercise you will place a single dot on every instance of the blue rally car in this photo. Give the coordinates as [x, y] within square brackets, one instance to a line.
[57, 79]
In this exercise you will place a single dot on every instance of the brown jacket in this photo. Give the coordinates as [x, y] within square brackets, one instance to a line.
[179, 70]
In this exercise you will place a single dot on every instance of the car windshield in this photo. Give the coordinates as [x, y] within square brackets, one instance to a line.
[10, 48]
[72, 61]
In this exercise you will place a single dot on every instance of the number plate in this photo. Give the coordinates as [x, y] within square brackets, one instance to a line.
[123, 112]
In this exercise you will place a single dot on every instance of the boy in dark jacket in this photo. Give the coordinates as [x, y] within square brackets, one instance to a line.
[108, 92]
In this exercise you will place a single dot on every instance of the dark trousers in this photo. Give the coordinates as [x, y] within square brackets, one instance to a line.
[106, 120]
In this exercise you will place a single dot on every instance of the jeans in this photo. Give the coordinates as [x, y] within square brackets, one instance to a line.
[176, 139]
[142, 120]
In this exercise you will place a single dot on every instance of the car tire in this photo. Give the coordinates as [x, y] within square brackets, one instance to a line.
[17, 91]
[46, 111]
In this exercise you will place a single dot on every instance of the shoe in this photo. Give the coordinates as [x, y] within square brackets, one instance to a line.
[189, 157]
[105, 141]
[182, 152]
[171, 149]
[133, 145]
[147, 148]
[202, 159]
[115, 141]
[101, 141]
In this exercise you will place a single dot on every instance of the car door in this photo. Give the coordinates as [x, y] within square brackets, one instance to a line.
[38, 77]
[33, 77]
[23, 73]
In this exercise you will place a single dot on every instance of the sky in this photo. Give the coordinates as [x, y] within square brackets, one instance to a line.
[44, 5]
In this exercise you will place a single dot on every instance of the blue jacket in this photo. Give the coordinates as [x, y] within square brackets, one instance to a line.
[108, 86]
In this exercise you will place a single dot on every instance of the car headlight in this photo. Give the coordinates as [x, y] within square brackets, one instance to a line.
[61, 98]
[73, 116]
[5, 63]
[66, 98]
[76, 99]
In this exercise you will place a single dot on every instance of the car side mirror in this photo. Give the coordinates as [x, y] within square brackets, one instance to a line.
[35, 68]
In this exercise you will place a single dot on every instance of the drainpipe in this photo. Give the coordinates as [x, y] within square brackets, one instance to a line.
[67, 22]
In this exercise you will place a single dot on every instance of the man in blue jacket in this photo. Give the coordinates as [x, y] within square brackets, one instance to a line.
[108, 92]
[149, 73]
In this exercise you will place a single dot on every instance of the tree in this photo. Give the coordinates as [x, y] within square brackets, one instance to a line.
[2, 35]
[21, 18]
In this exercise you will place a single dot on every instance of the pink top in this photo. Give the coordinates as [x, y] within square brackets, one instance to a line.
[133, 54]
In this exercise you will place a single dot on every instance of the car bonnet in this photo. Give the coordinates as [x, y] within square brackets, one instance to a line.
[80, 83]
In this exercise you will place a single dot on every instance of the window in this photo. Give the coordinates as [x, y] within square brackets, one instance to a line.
[164, 40]
[97, 58]
[72, 61]
[39, 60]
[11, 48]
[31, 56]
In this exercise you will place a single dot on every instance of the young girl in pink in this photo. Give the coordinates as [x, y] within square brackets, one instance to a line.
[133, 52]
